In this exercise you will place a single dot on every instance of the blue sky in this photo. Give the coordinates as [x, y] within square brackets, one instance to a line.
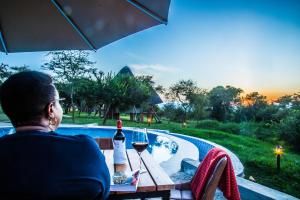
[252, 44]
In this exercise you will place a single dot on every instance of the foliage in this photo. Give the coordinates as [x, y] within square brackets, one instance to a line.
[208, 124]
[68, 67]
[267, 113]
[4, 73]
[222, 101]
[188, 95]
[180, 92]
[290, 129]
[230, 127]
[199, 103]
[173, 112]
[6, 70]
[248, 128]
[255, 102]
[265, 132]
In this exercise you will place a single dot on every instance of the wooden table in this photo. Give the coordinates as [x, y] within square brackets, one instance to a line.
[154, 183]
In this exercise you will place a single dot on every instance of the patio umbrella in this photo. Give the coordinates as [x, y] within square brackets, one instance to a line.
[46, 25]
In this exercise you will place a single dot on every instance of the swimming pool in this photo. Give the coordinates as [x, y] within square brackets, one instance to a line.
[168, 149]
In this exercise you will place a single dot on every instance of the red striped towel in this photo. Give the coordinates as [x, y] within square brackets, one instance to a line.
[227, 182]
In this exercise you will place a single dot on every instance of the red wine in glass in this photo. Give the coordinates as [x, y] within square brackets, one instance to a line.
[139, 146]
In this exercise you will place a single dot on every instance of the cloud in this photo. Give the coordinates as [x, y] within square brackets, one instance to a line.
[162, 74]
[152, 68]
[135, 56]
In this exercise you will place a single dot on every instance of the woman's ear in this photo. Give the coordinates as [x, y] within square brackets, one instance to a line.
[50, 113]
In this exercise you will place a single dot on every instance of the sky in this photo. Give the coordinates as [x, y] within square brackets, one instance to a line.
[250, 44]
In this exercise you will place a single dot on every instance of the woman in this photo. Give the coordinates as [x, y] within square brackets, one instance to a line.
[36, 162]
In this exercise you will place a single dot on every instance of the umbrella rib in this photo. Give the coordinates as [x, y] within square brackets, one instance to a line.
[74, 26]
[3, 42]
[147, 11]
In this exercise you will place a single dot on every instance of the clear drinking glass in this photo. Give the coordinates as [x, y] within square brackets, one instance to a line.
[140, 142]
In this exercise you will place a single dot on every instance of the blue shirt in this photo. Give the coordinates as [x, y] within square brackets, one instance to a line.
[46, 165]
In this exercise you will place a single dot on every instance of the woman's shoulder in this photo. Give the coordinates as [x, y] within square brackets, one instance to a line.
[79, 137]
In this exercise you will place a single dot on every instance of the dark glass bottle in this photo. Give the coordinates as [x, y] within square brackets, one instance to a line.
[119, 142]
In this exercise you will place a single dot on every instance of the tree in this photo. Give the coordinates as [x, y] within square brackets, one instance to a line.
[199, 103]
[173, 112]
[290, 129]
[223, 100]
[16, 69]
[4, 72]
[69, 66]
[289, 101]
[181, 92]
[85, 94]
[255, 103]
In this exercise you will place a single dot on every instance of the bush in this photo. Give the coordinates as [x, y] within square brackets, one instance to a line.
[248, 128]
[265, 133]
[290, 130]
[262, 131]
[208, 124]
[230, 127]
[173, 112]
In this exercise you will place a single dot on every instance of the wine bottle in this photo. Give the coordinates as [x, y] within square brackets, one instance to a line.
[119, 142]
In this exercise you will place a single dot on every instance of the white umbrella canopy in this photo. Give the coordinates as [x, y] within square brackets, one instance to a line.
[48, 25]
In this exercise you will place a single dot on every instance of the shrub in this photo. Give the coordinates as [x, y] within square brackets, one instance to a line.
[264, 133]
[248, 128]
[230, 127]
[173, 112]
[208, 124]
[290, 130]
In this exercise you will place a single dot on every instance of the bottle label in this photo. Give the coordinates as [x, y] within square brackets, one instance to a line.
[119, 152]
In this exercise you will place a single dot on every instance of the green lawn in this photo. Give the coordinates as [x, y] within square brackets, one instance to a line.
[257, 156]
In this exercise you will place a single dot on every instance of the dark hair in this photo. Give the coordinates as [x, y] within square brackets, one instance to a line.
[25, 96]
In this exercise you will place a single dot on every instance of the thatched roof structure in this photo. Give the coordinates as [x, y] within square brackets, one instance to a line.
[154, 98]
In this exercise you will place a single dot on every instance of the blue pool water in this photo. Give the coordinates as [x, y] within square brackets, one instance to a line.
[162, 148]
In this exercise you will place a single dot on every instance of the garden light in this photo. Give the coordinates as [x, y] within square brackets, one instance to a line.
[278, 152]
[149, 120]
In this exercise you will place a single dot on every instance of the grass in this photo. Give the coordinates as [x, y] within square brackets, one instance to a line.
[257, 156]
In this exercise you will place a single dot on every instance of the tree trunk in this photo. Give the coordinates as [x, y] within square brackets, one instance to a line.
[105, 115]
[66, 110]
[72, 105]
[96, 111]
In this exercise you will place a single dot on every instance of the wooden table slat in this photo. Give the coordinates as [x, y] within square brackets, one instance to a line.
[154, 183]
[145, 183]
[160, 177]
[108, 154]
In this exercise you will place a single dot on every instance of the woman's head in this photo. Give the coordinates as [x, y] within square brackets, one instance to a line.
[29, 97]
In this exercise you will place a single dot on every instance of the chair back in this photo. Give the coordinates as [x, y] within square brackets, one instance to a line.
[213, 182]
[105, 143]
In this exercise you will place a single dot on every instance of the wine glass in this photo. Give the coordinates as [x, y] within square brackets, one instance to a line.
[140, 142]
